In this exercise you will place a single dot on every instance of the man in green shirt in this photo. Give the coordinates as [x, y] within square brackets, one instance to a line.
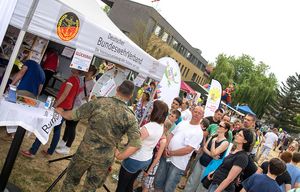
[109, 119]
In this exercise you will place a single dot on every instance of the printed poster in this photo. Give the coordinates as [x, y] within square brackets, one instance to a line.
[214, 98]
[81, 60]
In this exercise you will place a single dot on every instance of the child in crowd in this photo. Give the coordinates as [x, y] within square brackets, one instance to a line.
[265, 182]
[284, 180]
[173, 117]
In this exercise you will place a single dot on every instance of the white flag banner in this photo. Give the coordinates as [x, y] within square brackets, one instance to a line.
[214, 98]
[169, 86]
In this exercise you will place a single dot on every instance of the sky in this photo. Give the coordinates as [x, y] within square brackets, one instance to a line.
[268, 30]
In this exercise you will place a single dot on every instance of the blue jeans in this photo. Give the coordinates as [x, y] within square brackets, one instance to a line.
[194, 181]
[56, 135]
[167, 176]
[133, 166]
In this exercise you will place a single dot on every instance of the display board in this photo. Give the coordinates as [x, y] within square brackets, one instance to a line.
[108, 82]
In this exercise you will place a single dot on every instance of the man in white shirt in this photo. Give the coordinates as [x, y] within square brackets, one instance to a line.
[184, 139]
[271, 139]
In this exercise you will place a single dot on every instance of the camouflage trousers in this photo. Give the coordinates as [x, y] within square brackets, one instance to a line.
[95, 178]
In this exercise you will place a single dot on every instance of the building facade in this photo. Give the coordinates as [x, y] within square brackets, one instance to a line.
[148, 29]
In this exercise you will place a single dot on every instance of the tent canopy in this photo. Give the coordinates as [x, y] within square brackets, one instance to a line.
[198, 88]
[96, 32]
[245, 109]
[185, 87]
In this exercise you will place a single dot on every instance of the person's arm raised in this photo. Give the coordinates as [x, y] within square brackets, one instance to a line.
[220, 149]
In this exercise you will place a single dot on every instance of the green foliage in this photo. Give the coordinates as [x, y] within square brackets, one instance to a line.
[253, 85]
[297, 119]
[286, 110]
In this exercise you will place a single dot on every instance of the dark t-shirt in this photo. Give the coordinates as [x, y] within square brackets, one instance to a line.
[260, 182]
[249, 170]
[205, 159]
[239, 159]
[284, 178]
[211, 120]
[33, 78]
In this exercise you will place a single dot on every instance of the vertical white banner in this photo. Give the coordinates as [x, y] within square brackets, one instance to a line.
[6, 10]
[169, 86]
[214, 98]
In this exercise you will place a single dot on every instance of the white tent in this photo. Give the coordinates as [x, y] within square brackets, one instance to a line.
[96, 33]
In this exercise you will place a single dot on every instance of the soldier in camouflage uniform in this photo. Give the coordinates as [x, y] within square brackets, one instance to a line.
[109, 118]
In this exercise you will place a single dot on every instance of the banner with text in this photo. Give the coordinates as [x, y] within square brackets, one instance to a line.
[81, 60]
[81, 24]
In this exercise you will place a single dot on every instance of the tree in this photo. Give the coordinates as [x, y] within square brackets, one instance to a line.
[285, 111]
[224, 70]
[253, 86]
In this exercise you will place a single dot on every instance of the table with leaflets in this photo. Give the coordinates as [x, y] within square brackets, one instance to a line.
[35, 119]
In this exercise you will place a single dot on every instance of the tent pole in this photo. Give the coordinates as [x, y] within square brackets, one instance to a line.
[12, 61]
[17, 47]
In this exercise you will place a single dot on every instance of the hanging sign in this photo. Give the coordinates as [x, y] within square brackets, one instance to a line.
[81, 60]
[139, 80]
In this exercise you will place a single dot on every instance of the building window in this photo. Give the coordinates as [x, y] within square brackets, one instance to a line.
[184, 71]
[194, 77]
[181, 68]
[157, 30]
[181, 49]
[188, 54]
[165, 36]
[187, 72]
[174, 43]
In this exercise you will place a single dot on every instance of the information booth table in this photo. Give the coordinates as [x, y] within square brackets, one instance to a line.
[37, 120]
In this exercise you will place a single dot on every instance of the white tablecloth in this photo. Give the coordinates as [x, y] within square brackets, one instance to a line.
[37, 120]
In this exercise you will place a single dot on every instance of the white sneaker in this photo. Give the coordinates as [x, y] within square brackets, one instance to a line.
[64, 150]
[61, 144]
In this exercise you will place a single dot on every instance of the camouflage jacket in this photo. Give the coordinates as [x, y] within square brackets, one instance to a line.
[109, 119]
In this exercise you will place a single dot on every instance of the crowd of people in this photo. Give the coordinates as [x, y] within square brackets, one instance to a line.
[218, 153]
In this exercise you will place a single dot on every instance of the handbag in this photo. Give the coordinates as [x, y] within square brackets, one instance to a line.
[212, 166]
